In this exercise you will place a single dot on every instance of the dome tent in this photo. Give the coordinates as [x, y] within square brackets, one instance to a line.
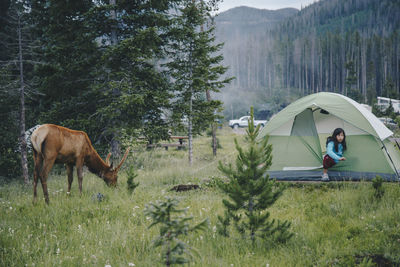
[298, 136]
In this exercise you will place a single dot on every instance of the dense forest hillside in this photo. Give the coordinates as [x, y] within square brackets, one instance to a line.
[351, 47]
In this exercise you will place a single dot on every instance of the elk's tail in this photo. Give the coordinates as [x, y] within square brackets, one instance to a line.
[28, 134]
[37, 137]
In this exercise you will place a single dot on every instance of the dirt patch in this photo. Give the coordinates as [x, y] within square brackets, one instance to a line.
[185, 187]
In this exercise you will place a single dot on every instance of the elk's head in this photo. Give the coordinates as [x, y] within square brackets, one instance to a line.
[111, 175]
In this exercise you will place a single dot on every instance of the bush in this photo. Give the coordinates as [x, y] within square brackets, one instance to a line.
[377, 184]
[131, 182]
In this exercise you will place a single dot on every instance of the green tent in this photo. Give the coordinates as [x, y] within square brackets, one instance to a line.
[298, 135]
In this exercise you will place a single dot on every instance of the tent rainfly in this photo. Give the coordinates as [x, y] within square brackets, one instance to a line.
[298, 136]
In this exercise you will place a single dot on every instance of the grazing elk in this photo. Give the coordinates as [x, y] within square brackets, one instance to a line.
[55, 144]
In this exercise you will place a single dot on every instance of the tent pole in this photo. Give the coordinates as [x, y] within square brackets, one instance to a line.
[397, 174]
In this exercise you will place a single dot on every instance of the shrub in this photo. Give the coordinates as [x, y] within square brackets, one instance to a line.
[377, 184]
[131, 179]
[171, 228]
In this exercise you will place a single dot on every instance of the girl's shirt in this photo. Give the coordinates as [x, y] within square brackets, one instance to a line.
[335, 155]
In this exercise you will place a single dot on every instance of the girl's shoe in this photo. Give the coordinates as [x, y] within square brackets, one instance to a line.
[325, 177]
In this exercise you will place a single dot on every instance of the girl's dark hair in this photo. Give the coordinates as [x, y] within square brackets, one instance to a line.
[336, 132]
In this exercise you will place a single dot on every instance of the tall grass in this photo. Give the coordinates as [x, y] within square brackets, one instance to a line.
[335, 224]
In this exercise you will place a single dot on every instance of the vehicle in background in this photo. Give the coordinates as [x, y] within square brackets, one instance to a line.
[384, 102]
[244, 122]
[389, 122]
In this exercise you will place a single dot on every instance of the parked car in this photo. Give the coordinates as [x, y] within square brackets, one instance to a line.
[389, 122]
[244, 122]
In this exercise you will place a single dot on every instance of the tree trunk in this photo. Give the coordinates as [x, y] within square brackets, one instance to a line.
[213, 129]
[24, 160]
[364, 71]
[115, 145]
[190, 126]
[114, 39]
[252, 234]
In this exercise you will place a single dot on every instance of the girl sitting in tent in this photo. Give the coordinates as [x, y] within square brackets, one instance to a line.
[335, 145]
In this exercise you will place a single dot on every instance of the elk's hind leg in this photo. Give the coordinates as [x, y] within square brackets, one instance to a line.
[48, 163]
[38, 160]
[70, 172]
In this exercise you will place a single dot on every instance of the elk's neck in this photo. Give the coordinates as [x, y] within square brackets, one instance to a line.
[95, 164]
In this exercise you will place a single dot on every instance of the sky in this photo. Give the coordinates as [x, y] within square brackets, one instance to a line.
[264, 4]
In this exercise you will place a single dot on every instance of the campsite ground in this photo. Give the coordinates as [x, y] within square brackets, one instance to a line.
[334, 224]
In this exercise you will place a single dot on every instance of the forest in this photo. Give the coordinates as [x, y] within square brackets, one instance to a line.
[117, 70]
[347, 46]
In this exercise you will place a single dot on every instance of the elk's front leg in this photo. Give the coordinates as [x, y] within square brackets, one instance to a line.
[70, 169]
[79, 170]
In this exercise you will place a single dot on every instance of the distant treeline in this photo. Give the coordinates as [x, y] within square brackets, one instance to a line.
[346, 46]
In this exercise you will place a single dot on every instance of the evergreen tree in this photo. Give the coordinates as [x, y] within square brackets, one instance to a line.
[172, 226]
[69, 54]
[351, 80]
[133, 90]
[251, 191]
[15, 74]
[195, 68]
[131, 184]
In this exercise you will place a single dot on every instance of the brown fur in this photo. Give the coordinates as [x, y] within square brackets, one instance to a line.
[56, 144]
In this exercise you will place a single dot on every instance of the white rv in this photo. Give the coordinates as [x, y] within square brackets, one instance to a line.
[384, 102]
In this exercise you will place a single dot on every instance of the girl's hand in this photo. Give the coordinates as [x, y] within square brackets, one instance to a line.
[342, 158]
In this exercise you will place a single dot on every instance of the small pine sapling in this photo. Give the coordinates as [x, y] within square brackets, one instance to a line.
[172, 226]
[131, 180]
[251, 191]
[377, 184]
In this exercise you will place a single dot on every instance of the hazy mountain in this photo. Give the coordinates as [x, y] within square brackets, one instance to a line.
[347, 46]
[243, 29]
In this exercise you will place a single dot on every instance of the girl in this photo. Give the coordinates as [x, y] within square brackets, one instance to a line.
[335, 145]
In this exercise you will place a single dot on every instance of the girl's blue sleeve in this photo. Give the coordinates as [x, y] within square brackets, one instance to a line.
[330, 152]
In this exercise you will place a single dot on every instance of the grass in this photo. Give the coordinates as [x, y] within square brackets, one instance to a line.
[335, 224]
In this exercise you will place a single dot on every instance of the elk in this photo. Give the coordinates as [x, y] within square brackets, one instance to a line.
[56, 144]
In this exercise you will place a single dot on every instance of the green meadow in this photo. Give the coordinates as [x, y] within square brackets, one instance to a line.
[334, 224]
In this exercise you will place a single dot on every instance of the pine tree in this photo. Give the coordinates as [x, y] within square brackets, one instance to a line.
[165, 213]
[251, 191]
[195, 68]
[133, 90]
[16, 66]
[131, 184]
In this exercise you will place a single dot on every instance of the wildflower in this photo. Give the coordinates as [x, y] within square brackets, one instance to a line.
[131, 264]
[107, 265]
[58, 251]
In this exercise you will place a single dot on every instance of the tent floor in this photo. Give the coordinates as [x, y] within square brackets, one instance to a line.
[333, 176]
